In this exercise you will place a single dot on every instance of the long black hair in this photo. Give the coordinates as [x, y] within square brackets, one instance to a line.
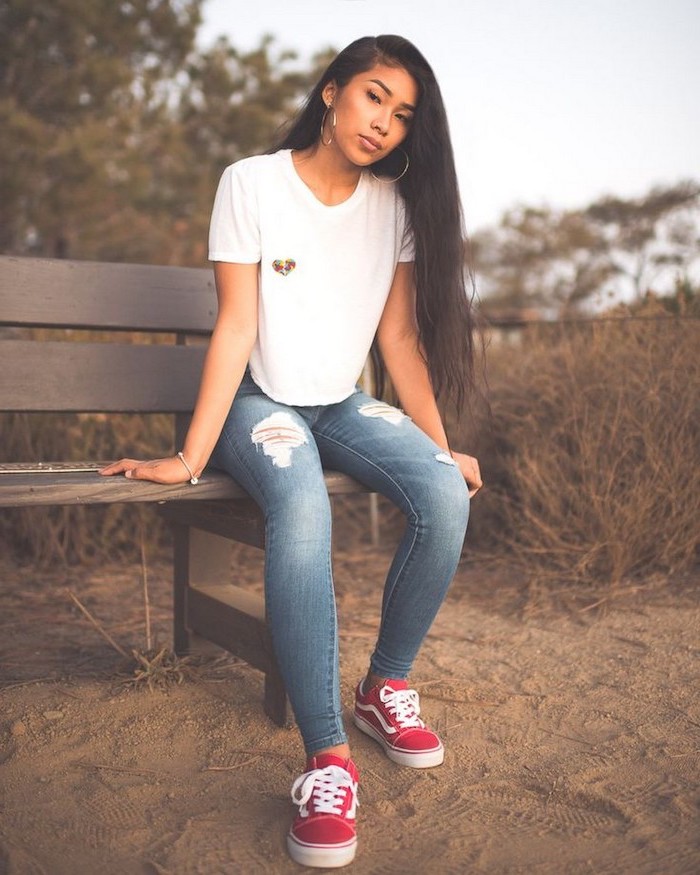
[444, 314]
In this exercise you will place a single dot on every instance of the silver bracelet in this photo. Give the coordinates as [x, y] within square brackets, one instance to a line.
[193, 480]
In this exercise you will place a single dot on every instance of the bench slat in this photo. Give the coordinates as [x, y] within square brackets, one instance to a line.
[236, 520]
[28, 490]
[98, 377]
[233, 619]
[54, 293]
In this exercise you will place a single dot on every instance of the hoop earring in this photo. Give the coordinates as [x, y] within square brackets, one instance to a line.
[334, 121]
[396, 178]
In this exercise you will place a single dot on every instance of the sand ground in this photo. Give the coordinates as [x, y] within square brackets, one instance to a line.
[572, 732]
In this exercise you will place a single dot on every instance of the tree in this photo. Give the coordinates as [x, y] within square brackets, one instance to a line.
[114, 127]
[541, 257]
[75, 78]
[615, 249]
[652, 239]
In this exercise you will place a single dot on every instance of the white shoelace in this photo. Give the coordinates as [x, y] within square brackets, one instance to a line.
[327, 787]
[403, 705]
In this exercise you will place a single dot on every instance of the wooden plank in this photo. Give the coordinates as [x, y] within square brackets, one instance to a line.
[28, 490]
[232, 618]
[91, 295]
[98, 377]
[236, 520]
[226, 593]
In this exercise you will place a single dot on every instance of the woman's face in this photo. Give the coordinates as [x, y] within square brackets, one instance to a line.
[374, 112]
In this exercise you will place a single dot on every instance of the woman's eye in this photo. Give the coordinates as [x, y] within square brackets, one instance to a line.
[373, 96]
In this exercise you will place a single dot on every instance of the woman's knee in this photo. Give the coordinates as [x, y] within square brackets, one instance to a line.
[306, 510]
[442, 507]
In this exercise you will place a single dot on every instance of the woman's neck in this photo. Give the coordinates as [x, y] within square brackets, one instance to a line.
[327, 172]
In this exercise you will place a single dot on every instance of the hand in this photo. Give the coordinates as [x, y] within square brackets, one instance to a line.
[469, 467]
[169, 470]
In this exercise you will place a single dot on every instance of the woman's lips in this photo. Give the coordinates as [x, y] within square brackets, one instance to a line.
[370, 144]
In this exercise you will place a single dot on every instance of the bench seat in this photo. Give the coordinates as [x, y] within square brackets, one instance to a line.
[32, 489]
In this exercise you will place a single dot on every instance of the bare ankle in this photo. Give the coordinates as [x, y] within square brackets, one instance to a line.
[373, 680]
[337, 750]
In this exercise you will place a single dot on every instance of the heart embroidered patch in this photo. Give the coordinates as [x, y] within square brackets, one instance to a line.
[284, 266]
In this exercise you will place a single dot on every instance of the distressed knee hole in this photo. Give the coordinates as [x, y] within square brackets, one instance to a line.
[445, 458]
[383, 411]
[278, 435]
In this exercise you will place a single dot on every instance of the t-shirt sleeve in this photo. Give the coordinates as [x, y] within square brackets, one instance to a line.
[234, 231]
[407, 252]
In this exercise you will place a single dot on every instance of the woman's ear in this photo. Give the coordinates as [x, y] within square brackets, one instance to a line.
[330, 89]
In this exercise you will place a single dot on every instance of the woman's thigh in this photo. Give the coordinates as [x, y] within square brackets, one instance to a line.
[269, 449]
[381, 447]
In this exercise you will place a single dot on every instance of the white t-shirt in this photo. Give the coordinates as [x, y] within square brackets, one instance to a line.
[325, 272]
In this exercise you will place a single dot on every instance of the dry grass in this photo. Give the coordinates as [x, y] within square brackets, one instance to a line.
[154, 667]
[591, 454]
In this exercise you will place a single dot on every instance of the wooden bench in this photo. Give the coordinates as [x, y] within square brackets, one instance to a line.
[76, 374]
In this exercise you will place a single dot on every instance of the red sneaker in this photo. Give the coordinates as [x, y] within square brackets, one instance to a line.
[323, 833]
[389, 715]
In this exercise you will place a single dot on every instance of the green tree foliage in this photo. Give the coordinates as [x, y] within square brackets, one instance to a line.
[614, 249]
[114, 126]
[76, 77]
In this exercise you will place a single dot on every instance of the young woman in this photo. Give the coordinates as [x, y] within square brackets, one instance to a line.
[349, 231]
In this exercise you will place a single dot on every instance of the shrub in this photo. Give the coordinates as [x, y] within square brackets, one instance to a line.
[591, 454]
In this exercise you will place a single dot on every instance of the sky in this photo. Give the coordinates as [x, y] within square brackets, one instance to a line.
[550, 102]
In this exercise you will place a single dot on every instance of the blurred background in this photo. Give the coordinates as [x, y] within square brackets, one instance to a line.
[576, 136]
[575, 127]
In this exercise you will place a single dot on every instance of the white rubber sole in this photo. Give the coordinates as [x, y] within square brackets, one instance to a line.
[425, 760]
[321, 856]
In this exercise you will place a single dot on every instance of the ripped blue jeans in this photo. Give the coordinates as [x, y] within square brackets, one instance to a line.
[277, 453]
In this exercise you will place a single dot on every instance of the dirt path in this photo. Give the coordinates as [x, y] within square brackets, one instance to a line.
[572, 736]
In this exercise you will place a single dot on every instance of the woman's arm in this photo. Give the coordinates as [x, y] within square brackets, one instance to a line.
[398, 342]
[225, 362]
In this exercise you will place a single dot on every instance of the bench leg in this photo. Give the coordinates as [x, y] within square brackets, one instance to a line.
[208, 608]
[275, 702]
[181, 581]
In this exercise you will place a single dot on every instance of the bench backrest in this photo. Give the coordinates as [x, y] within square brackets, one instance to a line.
[76, 373]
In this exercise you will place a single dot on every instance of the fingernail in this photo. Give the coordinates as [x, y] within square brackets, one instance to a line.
[127, 473]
